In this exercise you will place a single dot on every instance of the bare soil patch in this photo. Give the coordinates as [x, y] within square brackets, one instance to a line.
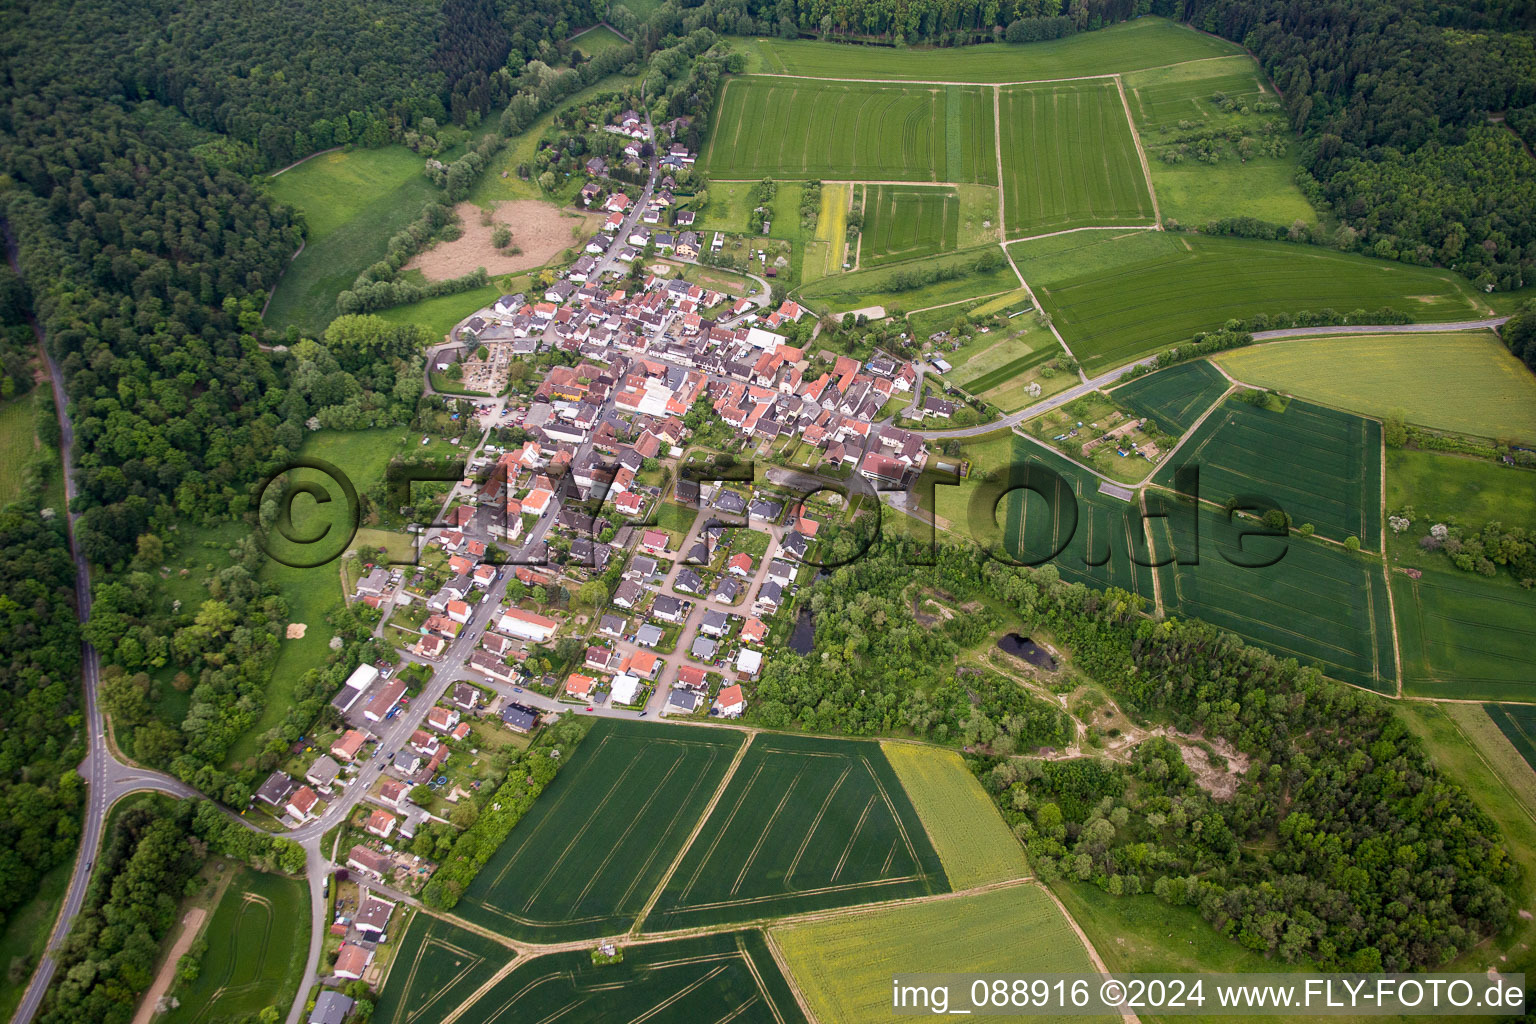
[542, 231]
[296, 630]
[191, 924]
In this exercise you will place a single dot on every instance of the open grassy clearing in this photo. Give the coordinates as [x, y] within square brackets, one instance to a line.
[1518, 724]
[972, 840]
[844, 966]
[1176, 397]
[805, 824]
[584, 861]
[1464, 636]
[254, 959]
[1442, 487]
[1321, 466]
[904, 222]
[1143, 43]
[1048, 505]
[440, 314]
[1318, 603]
[1467, 746]
[729, 977]
[313, 594]
[437, 967]
[18, 440]
[1466, 381]
[353, 201]
[1174, 106]
[597, 39]
[1069, 159]
[842, 292]
[1117, 296]
[802, 128]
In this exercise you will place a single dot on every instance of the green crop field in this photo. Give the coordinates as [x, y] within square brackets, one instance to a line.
[1321, 466]
[1069, 159]
[1174, 108]
[352, 202]
[1466, 381]
[1518, 724]
[972, 840]
[1129, 46]
[584, 861]
[844, 966]
[1465, 637]
[1117, 296]
[254, 959]
[436, 967]
[598, 39]
[841, 292]
[726, 977]
[802, 128]
[1441, 487]
[904, 222]
[1318, 603]
[804, 824]
[1003, 374]
[1176, 397]
[1046, 503]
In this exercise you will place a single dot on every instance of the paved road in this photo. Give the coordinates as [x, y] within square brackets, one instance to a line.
[1109, 377]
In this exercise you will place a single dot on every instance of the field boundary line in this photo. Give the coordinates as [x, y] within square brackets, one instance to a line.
[789, 977]
[481, 992]
[1141, 153]
[1128, 1016]
[961, 302]
[1027, 81]
[1492, 770]
[1089, 227]
[1386, 572]
[1158, 611]
[1002, 188]
[725, 781]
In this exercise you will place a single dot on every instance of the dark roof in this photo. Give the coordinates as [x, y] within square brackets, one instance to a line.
[330, 1008]
[278, 787]
[519, 717]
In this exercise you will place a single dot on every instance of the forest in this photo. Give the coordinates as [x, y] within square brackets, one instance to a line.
[1342, 846]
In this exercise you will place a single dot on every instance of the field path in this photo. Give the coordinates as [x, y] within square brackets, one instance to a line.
[191, 924]
[1090, 227]
[709, 808]
[1026, 81]
[1128, 1016]
[1141, 154]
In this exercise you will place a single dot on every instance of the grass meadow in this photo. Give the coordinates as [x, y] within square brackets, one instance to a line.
[724, 977]
[1465, 637]
[18, 440]
[1321, 466]
[826, 249]
[1318, 603]
[844, 965]
[1176, 397]
[436, 968]
[1117, 296]
[805, 824]
[597, 39]
[861, 288]
[1129, 46]
[586, 859]
[1442, 488]
[253, 960]
[973, 842]
[353, 201]
[1172, 105]
[802, 128]
[1466, 381]
[1069, 159]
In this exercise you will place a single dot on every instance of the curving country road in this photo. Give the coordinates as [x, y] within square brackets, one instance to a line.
[1109, 377]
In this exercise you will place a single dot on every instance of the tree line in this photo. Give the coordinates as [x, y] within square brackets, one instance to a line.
[1341, 846]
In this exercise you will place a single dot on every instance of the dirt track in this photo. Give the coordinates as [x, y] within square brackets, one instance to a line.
[542, 231]
[191, 924]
